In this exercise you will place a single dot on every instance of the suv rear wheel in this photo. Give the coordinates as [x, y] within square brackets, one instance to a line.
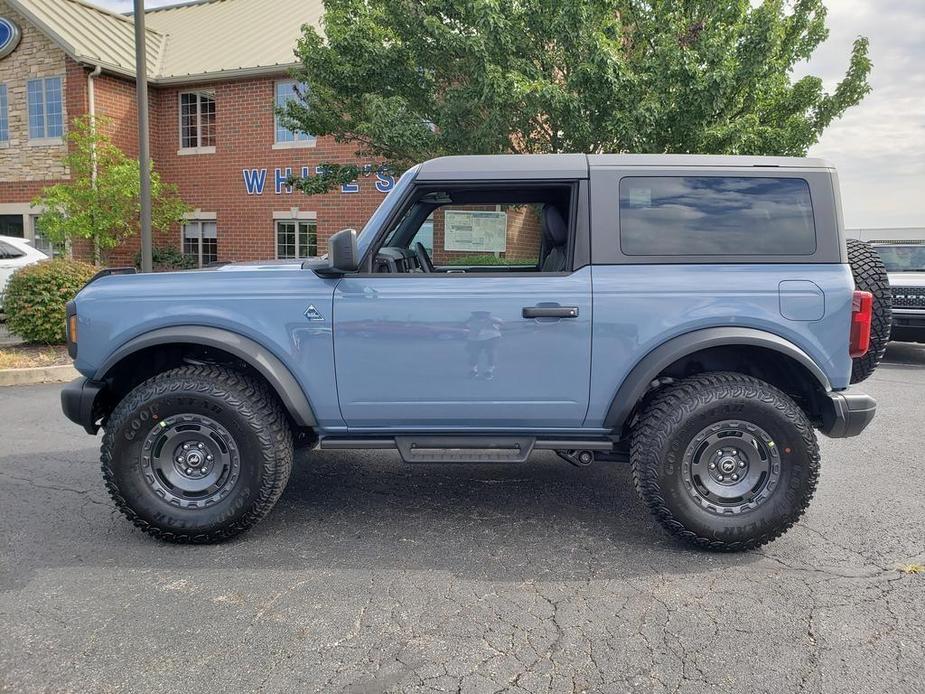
[197, 454]
[724, 461]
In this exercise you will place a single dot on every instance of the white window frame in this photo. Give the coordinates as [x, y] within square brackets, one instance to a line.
[64, 251]
[198, 222]
[299, 140]
[45, 139]
[312, 221]
[5, 113]
[199, 148]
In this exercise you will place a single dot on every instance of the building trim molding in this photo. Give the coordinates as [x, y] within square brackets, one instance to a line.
[294, 213]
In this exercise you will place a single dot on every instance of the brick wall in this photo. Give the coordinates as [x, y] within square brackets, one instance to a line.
[214, 183]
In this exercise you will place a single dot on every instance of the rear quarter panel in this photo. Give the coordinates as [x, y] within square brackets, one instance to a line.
[639, 307]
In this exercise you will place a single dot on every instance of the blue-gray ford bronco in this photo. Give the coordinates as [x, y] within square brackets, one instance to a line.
[696, 316]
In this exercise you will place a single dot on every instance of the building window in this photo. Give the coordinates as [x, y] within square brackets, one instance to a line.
[285, 92]
[4, 115]
[197, 120]
[39, 242]
[296, 239]
[200, 242]
[46, 109]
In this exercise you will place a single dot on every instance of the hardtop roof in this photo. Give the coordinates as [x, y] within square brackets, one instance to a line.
[546, 166]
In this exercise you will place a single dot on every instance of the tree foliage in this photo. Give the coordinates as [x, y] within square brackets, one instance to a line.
[407, 80]
[105, 208]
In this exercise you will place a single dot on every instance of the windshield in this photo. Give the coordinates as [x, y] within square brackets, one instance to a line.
[903, 258]
[378, 219]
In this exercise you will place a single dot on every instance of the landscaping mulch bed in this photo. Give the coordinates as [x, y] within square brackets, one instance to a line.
[29, 356]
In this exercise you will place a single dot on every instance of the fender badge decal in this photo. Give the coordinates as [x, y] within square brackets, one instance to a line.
[312, 313]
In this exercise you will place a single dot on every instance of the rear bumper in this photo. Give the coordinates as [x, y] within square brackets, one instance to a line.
[847, 414]
[79, 402]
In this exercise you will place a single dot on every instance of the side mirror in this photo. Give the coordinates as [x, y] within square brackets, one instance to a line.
[343, 256]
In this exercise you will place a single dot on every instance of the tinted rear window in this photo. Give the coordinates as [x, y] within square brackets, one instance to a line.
[713, 215]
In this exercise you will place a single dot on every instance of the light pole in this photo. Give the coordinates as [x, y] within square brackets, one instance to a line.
[144, 153]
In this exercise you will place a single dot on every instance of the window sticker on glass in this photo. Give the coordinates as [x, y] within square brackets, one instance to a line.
[475, 231]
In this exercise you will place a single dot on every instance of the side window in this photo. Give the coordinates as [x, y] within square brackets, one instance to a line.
[8, 252]
[715, 216]
[482, 230]
[483, 235]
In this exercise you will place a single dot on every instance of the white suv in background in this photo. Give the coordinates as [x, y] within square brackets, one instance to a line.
[905, 266]
[14, 254]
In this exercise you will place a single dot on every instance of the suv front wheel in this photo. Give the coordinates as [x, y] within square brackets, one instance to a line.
[197, 454]
[724, 461]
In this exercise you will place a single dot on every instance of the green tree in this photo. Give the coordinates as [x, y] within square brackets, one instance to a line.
[101, 201]
[406, 80]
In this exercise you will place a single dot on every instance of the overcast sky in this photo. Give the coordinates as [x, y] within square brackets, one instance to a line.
[878, 146]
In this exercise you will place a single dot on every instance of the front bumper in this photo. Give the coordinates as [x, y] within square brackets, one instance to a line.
[80, 401]
[847, 414]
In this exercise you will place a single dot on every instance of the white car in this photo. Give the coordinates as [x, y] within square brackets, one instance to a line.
[14, 254]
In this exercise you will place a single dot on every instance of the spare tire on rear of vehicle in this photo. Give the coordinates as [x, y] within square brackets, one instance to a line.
[870, 276]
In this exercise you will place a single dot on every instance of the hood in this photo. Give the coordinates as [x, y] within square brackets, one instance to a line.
[907, 279]
[306, 263]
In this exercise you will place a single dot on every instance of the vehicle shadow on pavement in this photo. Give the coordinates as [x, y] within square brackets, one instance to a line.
[904, 353]
[537, 521]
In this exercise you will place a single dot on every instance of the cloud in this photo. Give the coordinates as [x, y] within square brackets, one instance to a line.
[879, 145]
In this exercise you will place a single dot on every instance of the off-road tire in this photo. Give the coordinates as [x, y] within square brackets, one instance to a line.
[870, 276]
[240, 406]
[669, 425]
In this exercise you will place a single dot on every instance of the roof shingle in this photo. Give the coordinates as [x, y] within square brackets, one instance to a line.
[194, 40]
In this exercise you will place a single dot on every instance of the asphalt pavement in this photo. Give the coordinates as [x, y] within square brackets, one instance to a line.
[371, 576]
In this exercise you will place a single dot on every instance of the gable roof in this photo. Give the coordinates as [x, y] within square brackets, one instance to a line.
[219, 36]
[90, 34]
[208, 39]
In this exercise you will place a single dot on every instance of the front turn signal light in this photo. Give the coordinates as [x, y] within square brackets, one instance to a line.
[70, 328]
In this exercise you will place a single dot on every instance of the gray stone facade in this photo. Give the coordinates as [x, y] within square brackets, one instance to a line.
[36, 56]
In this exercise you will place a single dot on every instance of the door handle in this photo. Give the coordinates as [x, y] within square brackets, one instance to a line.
[550, 312]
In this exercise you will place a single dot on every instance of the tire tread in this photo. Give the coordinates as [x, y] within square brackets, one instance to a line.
[252, 400]
[669, 406]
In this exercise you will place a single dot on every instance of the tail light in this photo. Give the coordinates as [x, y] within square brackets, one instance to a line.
[862, 310]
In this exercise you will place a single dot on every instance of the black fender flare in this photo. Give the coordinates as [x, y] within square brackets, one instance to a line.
[636, 384]
[253, 353]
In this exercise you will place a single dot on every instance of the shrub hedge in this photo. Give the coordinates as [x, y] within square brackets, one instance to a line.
[167, 259]
[36, 295]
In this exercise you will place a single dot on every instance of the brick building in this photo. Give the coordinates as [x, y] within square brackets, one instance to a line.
[216, 71]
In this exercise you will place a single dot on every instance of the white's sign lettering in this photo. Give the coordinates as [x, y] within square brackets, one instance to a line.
[255, 180]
